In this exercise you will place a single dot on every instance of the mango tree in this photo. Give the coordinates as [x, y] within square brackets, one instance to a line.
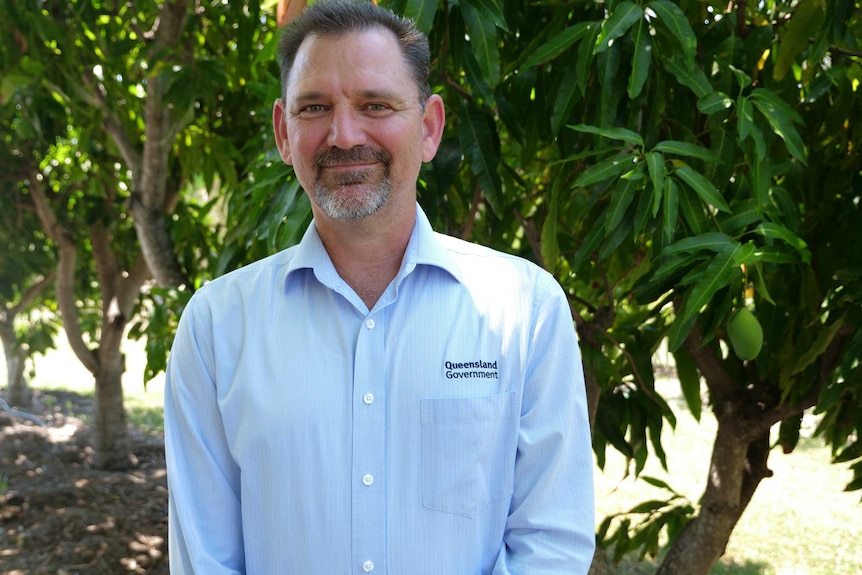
[687, 170]
[124, 108]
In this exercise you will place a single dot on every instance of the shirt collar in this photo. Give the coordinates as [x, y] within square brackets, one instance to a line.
[423, 248]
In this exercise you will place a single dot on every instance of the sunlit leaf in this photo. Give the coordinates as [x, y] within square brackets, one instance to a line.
[673, 18]
[605, 169]
[704, 188]
[558, 44]
[625, 15]
[641, 59]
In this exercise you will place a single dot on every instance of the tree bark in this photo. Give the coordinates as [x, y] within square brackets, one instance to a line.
[14, 352]
[18, 390]
[150, 198]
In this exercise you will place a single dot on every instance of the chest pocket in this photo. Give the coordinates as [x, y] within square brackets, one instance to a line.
[468, 452]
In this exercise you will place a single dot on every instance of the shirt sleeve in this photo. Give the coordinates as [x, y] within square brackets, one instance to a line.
[205, 532]
[551, 525]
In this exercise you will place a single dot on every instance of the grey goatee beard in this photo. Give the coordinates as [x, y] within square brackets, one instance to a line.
[364, 196]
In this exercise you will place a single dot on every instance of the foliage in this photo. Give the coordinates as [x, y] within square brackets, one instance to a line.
[671, 163]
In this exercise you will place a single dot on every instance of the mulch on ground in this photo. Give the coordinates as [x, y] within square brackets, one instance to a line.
[59, 515]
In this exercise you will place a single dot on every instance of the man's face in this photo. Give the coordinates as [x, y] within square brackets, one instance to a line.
[352, 124]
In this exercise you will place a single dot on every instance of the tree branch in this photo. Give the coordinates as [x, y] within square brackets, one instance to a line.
[65, 281]
[150, 194]
[14, 412]
[32, 293]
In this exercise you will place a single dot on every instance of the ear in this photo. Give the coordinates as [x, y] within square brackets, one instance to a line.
[279, 126]
[433, 122]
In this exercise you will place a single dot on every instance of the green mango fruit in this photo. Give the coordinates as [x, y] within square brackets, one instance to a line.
[745, 333]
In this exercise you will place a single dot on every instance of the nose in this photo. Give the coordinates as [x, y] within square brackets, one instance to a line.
[346, 130]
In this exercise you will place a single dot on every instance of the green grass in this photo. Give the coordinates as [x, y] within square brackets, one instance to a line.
[800, 521]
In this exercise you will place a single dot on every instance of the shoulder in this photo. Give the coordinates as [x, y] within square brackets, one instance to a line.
[471, 259]
[255, 279]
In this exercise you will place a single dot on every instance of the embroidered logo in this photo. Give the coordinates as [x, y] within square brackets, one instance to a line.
[479, 369]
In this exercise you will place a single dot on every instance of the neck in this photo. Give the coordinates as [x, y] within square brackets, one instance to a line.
[367, 254]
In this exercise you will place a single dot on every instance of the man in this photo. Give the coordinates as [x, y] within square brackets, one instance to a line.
[379, 398]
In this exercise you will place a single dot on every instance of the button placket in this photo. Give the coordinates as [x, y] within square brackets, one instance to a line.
[368, 497]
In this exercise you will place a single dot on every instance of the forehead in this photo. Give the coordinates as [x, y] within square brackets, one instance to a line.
[357, 60]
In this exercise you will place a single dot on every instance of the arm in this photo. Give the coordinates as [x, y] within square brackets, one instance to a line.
[205, 527]
[551, 525]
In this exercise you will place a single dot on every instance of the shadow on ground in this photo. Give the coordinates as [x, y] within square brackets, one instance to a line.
[58, 515]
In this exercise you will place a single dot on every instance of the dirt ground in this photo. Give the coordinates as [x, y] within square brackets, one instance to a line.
[59, 516]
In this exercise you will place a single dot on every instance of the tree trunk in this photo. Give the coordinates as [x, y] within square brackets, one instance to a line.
[736, 469]
[110, 434]
[18, 391]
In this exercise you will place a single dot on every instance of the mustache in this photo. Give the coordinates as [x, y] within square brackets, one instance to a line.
[359, 154]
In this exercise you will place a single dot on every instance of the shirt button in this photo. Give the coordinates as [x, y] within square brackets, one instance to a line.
[367, 479]
[368, 398]
[368, 566]
[369, 323]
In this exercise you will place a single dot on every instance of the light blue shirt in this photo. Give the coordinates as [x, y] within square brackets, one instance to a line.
[443, 432]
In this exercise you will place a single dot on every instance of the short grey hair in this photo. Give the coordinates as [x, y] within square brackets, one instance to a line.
[338, 17]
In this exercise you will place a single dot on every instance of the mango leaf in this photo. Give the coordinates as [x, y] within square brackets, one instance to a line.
[422, 12]
[760, 283]
[673, 18]
[780, 117]
[692, 212]
[483, 41]
[718, 274]
[621, 199]
[586, 55]
[775, 255]
[710, 241]
[557, 45]
[744, 214]
[744, 117]
[478, 137]
[687, 74]
[567, 96]
[623, 134]
[605, 169]
[804, 24]
[491, 10]
[761, 178]
[714, 102]
[680, 328]
[689, 381]
[615, 236]
[775, 231]
[641, 59]
[591, 242]
[818, 347]
[657, 170]
[550, 244]
[686, 149]
[623, 18]
[670, 204]
[475, 79]
[704, 188]
[674, 264]
[643, 209]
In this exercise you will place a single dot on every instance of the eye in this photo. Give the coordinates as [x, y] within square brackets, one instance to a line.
[377, 107]
[313, 109]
